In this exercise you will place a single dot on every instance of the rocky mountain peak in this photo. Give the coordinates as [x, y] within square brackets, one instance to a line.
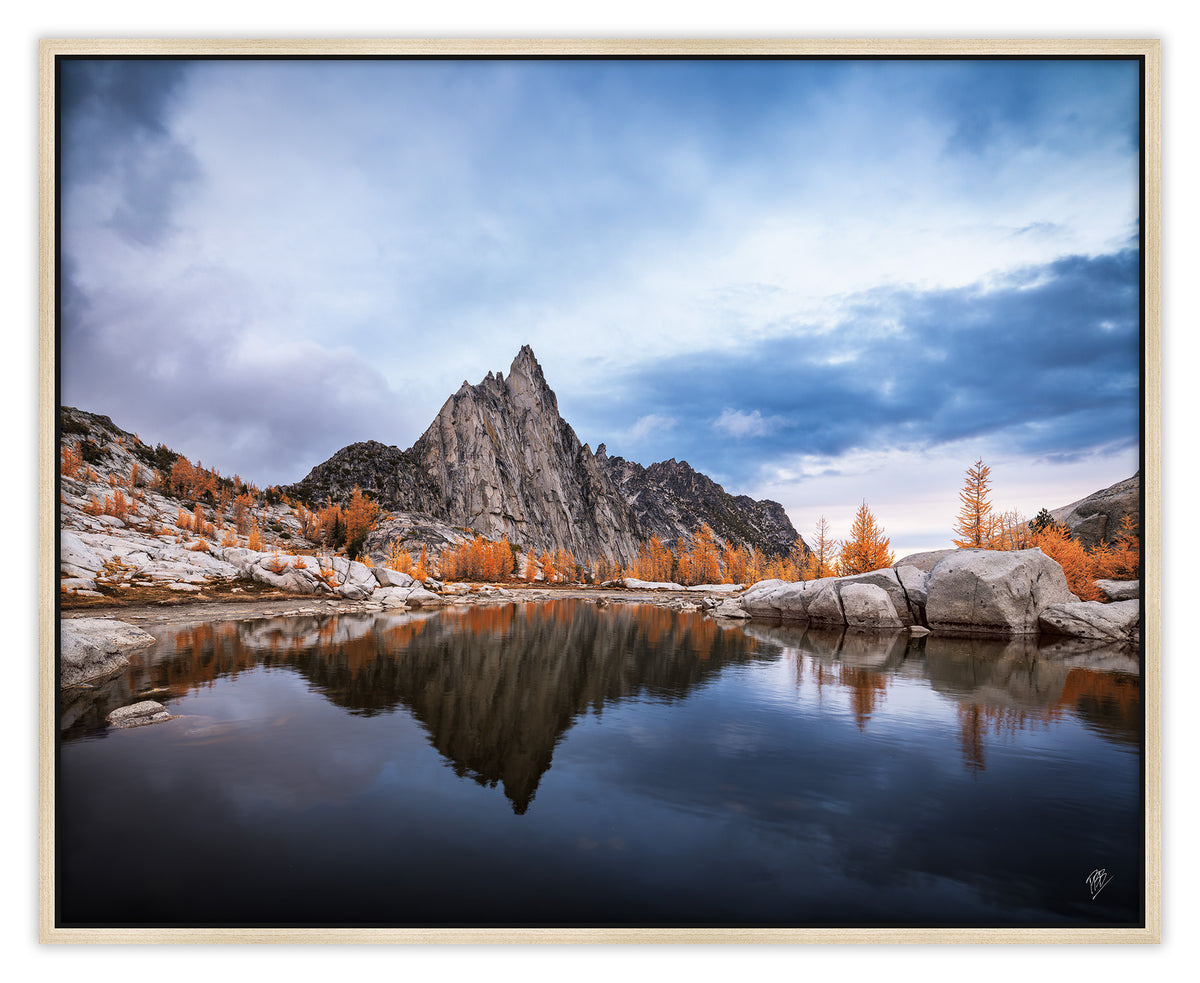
[527, 384]
[500, 460]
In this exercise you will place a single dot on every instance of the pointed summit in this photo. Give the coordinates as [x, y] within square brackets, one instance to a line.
[525, 358]
[526, 382]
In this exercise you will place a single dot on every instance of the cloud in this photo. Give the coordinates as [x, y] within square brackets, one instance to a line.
[118, 145]
[790, 257]
[650, 424]
[740, 424]
[1042, 361]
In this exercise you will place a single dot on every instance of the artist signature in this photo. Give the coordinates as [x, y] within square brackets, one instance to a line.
[1096, 881]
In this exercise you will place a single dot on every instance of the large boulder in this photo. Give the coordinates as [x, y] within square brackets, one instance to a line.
[358, 582]
[634, 584]
[993, 592]
[297, 574]
[1119, 621]
[392, 597]
[90, 648]
[1098, 517]
[888, 581]
[915, 582]
[77, 558]
[923, 561]
[387, 577]
[868, 606]
[825, 607]
[419, 597]
[729, 608]
[1120, 590]
[139, 714]
[760, 599]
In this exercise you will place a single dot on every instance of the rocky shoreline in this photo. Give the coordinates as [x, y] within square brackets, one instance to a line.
[948, 593]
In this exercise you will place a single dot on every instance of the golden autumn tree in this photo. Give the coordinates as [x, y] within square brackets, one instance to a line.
[822, 558]
[796, 560]
[972, 524]
[1009, 531]
[654, 561]
[685, 567]
[360, 515]
[757, 566]
[422, 572]
[72, 460]
[706, 562]
[736, 563]
[1120, 559]
[867, 547]
[1078, 565]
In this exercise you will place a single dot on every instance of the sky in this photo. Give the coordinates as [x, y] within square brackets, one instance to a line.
[822, 282]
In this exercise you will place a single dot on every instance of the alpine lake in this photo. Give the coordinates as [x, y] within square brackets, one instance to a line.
[574, 763]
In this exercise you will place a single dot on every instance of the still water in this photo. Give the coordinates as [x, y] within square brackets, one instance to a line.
[566, 764]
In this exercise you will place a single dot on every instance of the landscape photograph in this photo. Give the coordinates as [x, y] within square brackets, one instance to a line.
[643, 493]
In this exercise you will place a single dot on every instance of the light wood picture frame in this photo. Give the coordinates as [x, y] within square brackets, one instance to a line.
[1147, 50]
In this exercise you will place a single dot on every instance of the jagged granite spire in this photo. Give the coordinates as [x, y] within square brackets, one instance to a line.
[508, 465]
[500, 460]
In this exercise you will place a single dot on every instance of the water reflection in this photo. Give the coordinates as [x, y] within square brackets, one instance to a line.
[999, 685]
[702, 774]
[496, 687]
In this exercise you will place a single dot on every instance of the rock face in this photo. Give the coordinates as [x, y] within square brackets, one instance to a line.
[670, 500]
[966, 592]
[878, 600]
[1120, 590]
[993, 592]
[923, 561]
[1119, 621]
[499, 460]
[868, 606]
[139, 714]
[90, 648]
[1098, 517]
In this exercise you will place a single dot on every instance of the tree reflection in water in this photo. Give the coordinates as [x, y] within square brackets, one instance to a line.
[496, 686]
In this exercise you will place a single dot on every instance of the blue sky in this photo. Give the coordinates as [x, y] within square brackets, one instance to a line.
[820, 282]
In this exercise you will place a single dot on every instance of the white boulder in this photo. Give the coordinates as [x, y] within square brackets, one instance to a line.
[93, 647]
[1119, 621]
[868, 606]
[1120, 590]
[993, 591]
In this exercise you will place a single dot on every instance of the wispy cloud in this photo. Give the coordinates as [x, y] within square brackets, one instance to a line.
[737, 423]
[747, 264]
[651, 424]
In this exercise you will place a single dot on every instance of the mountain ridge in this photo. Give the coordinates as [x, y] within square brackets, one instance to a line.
[499, 459]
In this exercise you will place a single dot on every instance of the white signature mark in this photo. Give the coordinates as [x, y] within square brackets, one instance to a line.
[1096, 881]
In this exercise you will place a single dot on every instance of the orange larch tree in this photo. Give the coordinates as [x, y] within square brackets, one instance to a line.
[736, 562]
[706, 561]
[1079, 566]
[72, 460]
[822, 558]
[360, 516]
[867, 547]
[972, 523]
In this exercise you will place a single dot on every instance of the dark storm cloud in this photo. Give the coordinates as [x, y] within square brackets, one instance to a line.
[115, 129]
[198, 379]
[1043, 360]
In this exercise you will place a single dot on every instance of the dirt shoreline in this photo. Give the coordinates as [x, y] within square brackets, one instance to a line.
[283, 605]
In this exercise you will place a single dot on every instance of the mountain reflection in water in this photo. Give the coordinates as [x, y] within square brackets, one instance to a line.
[703, 771]
[496, 686]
